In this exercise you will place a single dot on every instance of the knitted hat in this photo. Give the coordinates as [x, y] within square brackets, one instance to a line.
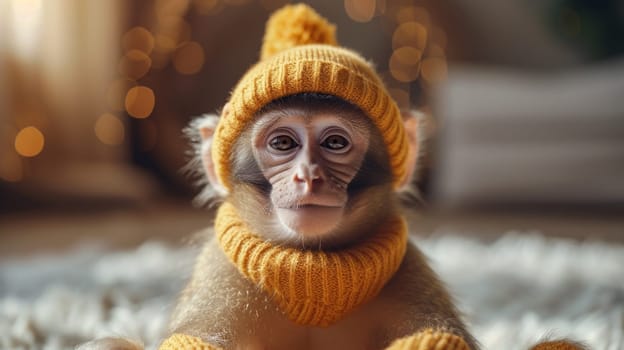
[299, 54]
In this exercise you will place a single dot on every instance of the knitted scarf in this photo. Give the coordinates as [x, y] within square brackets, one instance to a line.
[314, 288]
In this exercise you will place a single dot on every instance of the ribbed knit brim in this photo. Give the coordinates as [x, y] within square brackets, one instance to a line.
[319, 68]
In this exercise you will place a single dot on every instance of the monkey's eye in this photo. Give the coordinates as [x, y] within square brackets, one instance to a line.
[283, 143]
[335, 143]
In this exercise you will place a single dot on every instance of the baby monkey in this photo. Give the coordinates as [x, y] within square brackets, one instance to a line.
[310, 249]
[312, 181]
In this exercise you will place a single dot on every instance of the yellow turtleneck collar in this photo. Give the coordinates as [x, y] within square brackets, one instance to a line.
[313, 288]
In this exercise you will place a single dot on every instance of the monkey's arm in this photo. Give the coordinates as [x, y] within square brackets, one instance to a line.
[217, 307]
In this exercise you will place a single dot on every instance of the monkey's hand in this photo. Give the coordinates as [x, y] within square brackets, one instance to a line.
[180, 341]
[430, 339]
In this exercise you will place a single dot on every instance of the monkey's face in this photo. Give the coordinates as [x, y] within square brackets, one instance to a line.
[309, 161]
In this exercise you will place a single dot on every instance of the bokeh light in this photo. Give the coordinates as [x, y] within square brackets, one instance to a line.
[434, 70]
[29, 142]
[171, 7]
[134, 64]
[138, 38]
[413, 14]
[405, 64]
[411, 34]
[140, 101]
[109, 129]
[360, 10]
[189, 58]
[434, 50]
[11, 168]
[175, 28]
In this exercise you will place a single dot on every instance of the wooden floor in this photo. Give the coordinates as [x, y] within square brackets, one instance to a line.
[36, 232]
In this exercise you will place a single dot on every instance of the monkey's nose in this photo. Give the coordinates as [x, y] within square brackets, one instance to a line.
[308, 176]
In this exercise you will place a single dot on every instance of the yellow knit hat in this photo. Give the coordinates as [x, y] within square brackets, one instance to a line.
[299, 55]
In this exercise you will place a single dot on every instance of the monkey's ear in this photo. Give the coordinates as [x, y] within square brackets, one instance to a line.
[412, 124]
[206, 126]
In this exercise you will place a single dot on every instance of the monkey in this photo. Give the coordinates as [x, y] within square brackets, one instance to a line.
[308, 159]
[310, 173]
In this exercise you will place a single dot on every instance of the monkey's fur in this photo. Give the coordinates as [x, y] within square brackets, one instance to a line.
[227, 310]
[224, 308]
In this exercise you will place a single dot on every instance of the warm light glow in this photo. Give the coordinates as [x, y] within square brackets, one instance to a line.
[434, 50]
[189, 58]
[29, 142]
[138, 38]
[116, 94]
[140, 101]
[176, 29]
[164, 44]
[360, 10]
[109, 129]
[171, 7]
[11, 168]
[405, 64]
[26, 26]
[134, 64]
[413, 14]
[411, 34]
[434, 70]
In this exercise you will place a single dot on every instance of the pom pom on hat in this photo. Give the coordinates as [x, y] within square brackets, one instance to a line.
[295, 25]
[300, 54]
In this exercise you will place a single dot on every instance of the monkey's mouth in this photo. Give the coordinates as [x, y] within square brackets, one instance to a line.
[312, 206]
[310, 219]
[314, 202]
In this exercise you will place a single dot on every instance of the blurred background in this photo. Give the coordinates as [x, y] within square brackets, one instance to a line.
[524, 104]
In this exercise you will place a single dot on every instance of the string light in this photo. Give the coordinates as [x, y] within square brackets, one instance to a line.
[189, 58]
[109, 129]
[29, 142]
[140, 102]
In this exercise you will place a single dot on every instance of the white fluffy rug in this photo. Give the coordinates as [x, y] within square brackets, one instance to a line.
[513, 291]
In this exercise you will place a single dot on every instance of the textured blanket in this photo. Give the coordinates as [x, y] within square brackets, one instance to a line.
[513, 291]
